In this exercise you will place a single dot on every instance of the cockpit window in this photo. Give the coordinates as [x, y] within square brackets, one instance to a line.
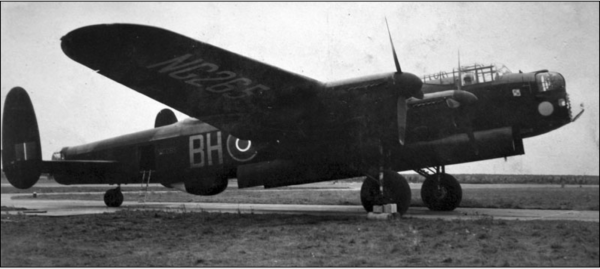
[477, 73]
[550, 81]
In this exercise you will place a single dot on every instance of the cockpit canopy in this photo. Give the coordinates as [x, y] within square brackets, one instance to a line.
[473, 74]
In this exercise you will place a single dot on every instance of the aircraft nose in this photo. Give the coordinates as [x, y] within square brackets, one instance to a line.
[552, 98]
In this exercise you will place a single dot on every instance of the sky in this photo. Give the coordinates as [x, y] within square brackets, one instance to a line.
[324, 41]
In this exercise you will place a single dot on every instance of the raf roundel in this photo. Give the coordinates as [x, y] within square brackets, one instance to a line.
[240, 150]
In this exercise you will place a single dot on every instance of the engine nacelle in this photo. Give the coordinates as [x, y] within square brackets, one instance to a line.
[491, 144]
[204, 186]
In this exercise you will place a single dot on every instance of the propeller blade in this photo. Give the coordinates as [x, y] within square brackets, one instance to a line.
[459, 73]
[401, 114]
[462, 121]
[408, 85]
[469, 130]
[466, 98]
[398, 69]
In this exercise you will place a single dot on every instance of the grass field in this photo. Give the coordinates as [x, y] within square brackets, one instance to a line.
[151, 238]
[144, 239]
[569, 198]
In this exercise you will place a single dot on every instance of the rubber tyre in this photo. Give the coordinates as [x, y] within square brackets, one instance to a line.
[446, 198]
[369, 194]
[396, 190]
[113, 198]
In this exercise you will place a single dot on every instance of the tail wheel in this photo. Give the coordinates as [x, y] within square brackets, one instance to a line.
[441, 192]
[113, 198]
[395, 190]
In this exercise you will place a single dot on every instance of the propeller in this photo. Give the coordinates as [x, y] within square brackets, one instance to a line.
[408, 85]
[464, 116]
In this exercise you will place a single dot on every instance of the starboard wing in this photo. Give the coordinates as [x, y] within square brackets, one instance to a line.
[250, 99]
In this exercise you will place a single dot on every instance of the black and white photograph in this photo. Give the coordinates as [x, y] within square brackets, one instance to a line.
[300, 134]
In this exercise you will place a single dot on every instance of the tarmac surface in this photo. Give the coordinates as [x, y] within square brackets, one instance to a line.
[321, 186]
[55, 208]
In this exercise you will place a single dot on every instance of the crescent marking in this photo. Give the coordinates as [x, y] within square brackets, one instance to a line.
[237, 145]
[233, 156]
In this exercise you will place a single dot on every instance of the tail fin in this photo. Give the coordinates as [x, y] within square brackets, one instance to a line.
[22, 151]
[165, 117]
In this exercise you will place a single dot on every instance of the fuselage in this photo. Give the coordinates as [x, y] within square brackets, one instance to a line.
[173, 153]
[509, 108]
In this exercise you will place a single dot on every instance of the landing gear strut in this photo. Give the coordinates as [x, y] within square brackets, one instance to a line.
[114, 197]
[441, 192]
[395, 190]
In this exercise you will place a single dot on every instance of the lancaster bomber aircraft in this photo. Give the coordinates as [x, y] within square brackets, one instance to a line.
[270, 127]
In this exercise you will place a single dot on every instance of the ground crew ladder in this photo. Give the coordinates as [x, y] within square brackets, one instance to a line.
[146, 182]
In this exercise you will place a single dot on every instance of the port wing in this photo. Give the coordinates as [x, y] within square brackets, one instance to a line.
[250, 99]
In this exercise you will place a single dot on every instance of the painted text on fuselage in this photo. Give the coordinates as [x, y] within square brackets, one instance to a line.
[202, 147]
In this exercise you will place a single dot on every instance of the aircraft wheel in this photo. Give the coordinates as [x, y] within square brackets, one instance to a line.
[113, 198]
[395, 190]
[441, 194]
[370, 194]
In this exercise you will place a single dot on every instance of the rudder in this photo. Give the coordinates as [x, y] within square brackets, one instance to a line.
[22, 152]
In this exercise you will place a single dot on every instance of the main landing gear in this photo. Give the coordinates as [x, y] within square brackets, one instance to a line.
[114, 197]
[440, 191]
[395, 190]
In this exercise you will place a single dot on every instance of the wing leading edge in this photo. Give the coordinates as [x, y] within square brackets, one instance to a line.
[250, 99]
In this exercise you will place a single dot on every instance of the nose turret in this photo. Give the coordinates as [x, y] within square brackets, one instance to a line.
[551, 82]
[552, 96]
[552, 103]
